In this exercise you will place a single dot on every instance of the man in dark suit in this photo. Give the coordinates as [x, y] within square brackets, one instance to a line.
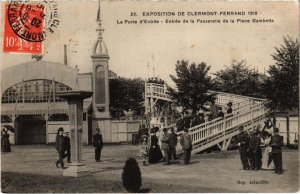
[220, 113]
[229, 108]
[243, 143]
[186, 144]
[173, 143]
[255, 150]
[98, 144]
[276, 144]
[67, 146]
[59, 144]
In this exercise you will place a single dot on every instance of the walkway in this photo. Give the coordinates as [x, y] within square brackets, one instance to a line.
[217, 170]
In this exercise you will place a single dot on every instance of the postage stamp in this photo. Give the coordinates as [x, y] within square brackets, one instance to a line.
[26, 25]
[23, 28]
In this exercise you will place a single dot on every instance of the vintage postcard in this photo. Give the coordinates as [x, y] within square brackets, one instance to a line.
[102, 96]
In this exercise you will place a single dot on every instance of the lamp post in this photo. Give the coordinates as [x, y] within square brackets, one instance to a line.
[75, 102]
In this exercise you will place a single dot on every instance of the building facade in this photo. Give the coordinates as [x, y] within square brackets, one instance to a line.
[33, 112]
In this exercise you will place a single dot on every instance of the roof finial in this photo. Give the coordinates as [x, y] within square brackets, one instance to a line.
[99, 29]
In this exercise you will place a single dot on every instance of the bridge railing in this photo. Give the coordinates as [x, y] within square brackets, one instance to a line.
[224, 97]
[156, 90]
[219, 125]
[218, 129]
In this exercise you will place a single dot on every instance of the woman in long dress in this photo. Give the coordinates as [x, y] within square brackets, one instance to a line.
[155, 154]
[5, 144]
[267, 162]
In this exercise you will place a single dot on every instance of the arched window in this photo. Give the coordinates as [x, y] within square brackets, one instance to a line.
[34, 91]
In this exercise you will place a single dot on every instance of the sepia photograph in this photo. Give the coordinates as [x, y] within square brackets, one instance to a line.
[101, 96]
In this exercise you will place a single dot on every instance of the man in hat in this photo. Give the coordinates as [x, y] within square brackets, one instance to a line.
[67, 146]
[165, 145]
[59, 144]
[243, 143]
[276, 144]
[220, 113]
[173, 143]
[229, 108]
[98, 144]
[186, 144]
[255, 150]
[214, 110]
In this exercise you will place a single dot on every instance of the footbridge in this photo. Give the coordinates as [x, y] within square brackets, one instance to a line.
[247, 112]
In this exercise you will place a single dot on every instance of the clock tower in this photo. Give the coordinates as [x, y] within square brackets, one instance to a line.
[100, 80]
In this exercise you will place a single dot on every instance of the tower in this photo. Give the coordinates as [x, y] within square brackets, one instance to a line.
[101, 117]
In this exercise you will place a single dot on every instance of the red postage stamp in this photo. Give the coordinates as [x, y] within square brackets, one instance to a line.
[24, 28]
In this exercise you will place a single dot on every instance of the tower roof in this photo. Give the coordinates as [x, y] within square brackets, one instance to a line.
[100, 48]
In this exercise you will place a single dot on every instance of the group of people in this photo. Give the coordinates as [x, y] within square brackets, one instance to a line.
[260, 149]
[5, 143]
[150, 147]
[206, 114]
[63, 147]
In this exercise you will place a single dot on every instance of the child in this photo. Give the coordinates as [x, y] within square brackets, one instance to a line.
[144, 151]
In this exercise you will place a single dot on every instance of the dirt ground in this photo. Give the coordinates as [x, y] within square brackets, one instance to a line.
[32, 169]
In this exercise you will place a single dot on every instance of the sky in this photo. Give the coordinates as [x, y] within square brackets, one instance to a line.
[132, 46]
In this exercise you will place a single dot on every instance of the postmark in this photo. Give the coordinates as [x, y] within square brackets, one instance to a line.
[27, 24]
[27, 21]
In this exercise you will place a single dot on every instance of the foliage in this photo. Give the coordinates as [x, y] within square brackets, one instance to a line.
[126, 94]
[192, 84]
[282, 87]
[238, 79]
[131, 176]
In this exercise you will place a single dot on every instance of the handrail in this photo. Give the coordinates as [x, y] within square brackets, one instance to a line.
[246, 111]
[237, 95]
[217, 128]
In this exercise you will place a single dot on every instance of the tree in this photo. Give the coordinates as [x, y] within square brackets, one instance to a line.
[192, 85]
[282, 86]
[126, 94]
[238, 79]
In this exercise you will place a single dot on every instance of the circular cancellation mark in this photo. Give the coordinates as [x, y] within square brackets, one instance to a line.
[28, 20]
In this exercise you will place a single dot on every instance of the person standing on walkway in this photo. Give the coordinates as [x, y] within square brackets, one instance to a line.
[277, 143]
[144, 150]
[267, 161]
[229, 108]
[186, 143]
[98, 144]
[255, 150]
[173, 144]
[5, 144]
[59, 144]
[155, 154]
[243, 143]
[67, 147]
[214, 110]
[165, 140]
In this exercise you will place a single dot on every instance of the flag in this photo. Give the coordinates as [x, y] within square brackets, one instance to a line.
[98, 14]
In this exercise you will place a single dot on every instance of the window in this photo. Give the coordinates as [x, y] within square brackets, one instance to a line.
[34, 91]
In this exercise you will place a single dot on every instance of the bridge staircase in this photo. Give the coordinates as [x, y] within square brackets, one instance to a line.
[247, 112]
